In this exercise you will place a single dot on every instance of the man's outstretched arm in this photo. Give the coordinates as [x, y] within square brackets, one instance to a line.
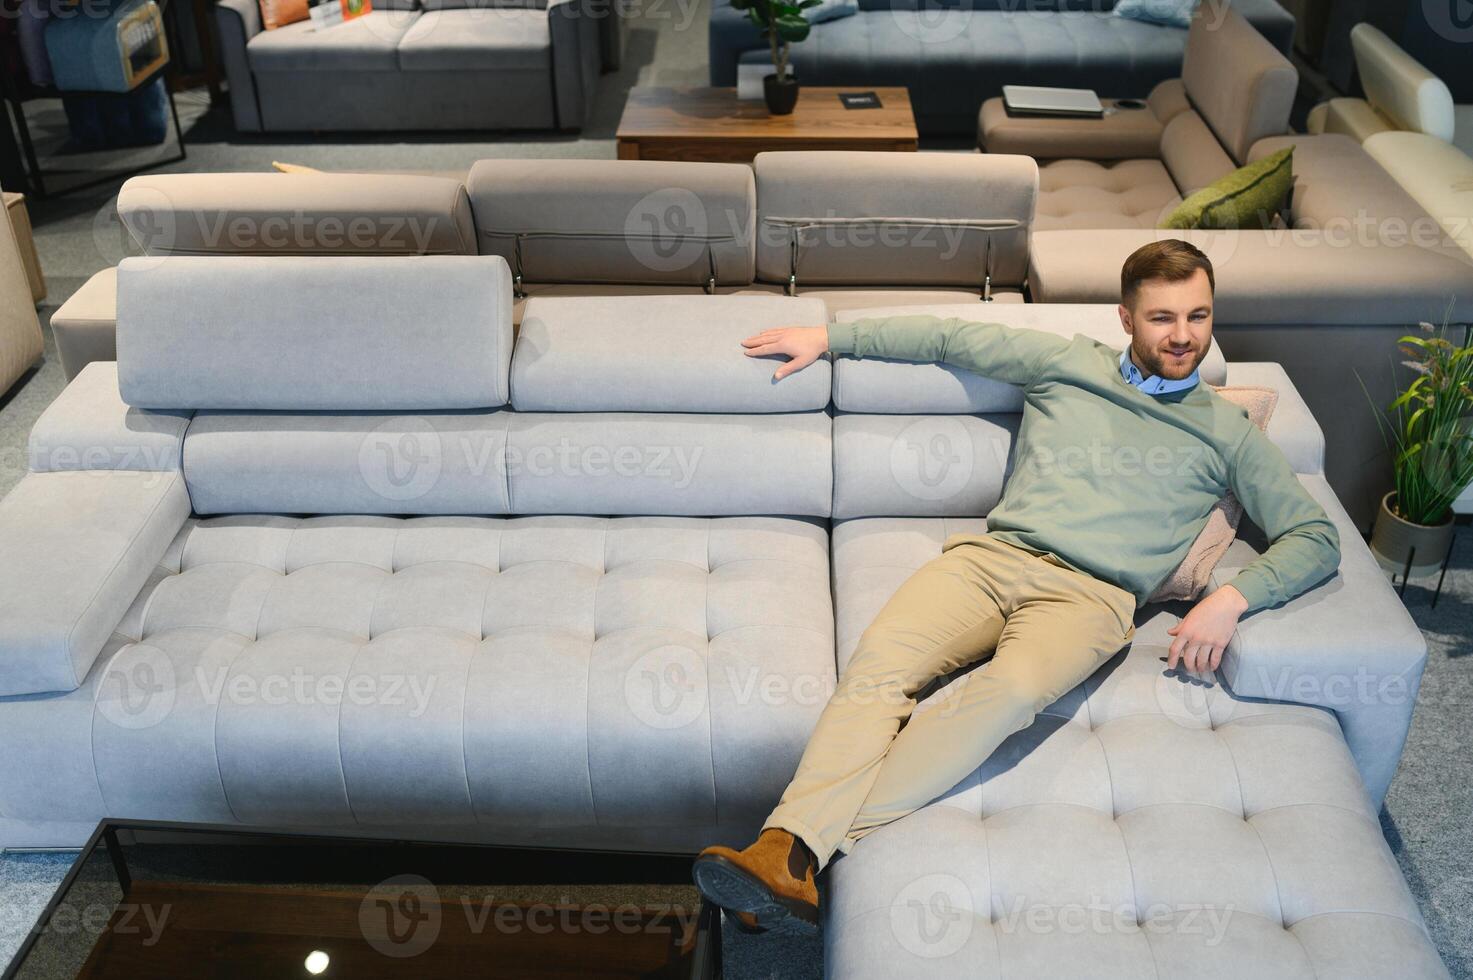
[1005, 353]
[1304, 550]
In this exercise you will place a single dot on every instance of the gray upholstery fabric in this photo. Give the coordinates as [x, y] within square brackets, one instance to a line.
[1192, 154]
[297, 214]
[236, 22]
[1066, 846]
[1240, 84]
[892, 387]
[953, 56]
[894, 219]
[469, 673]
[387, 100]
[248, 332]
[1349, 646]
[1080, 194]
[486, 6]
[472, 39]
[574, 355]
[922, 465]
[436, 463]
[577, 47]
[367, 43]
[629, 221]
[88, 427]
[1292, 427]
[78, 546]
[689, 465]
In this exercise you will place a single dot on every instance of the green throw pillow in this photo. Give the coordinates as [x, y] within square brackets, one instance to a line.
[1249, 197]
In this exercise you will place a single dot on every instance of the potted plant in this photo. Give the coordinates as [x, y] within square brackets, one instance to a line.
[782, 25]
[1430, 436]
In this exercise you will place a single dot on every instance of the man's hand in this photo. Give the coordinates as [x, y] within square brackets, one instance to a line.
[1204, 632]
[802, 345]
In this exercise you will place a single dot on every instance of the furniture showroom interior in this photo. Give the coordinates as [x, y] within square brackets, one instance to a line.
[784, 489]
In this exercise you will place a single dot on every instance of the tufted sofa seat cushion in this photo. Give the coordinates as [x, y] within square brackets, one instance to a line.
[1146, 824]
[1077, 194]
[599, 679]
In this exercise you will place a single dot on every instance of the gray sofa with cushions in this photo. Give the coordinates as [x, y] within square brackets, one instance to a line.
[414, 64]
[955, 54]
[417, 578]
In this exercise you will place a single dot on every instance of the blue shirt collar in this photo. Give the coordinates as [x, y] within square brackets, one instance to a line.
[1154, 385]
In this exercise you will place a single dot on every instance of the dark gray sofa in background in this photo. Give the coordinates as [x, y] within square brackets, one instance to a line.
[414, 64]
[955, 54]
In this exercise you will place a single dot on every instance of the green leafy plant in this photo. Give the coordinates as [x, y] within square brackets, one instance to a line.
[1431, 427]
[782, 25]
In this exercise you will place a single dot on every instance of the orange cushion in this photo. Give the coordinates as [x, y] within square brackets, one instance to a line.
[1191, 577]
[279, 13]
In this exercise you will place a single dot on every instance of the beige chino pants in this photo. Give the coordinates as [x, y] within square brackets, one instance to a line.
[1047, 627]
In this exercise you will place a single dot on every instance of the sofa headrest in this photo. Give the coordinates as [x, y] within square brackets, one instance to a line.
[617, 221]
[932, 219]
[660, 354]
[1400, 87]
[297, 214]
[1239, 82]
[325, 333]
[879, 386]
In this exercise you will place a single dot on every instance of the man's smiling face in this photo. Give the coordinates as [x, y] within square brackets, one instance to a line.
[1170, 325]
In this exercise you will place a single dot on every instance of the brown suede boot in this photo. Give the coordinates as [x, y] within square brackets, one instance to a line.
[768, 885]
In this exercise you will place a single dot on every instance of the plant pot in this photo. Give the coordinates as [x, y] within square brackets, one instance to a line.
[781, 94]
[1395, 538]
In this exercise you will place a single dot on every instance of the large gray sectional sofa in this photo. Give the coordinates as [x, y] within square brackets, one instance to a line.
[416, 64]
[955, 54]
[326, 547]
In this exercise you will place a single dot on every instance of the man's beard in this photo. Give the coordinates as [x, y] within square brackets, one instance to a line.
[1153, 362]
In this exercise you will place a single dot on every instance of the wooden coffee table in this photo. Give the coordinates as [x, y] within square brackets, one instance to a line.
[713, 124]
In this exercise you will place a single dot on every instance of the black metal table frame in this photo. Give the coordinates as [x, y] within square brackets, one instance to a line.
[707, 952]
[16, 101]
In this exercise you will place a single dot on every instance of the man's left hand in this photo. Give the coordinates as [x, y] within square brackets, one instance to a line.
[1204, 632]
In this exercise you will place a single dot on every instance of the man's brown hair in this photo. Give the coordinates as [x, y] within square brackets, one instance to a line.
[1170, 258]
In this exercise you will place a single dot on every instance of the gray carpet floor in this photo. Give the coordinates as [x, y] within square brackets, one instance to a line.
[1428, 818]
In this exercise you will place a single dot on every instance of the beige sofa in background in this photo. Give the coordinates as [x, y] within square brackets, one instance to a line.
[21, 344]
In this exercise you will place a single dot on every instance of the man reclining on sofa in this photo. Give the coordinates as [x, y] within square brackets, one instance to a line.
[1076, 544]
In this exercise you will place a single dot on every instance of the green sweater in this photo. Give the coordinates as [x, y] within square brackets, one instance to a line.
[1116, 482]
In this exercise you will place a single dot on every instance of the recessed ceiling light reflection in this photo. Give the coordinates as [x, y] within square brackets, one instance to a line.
[317, 962]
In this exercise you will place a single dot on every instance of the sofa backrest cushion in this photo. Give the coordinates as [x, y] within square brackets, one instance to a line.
[1192, 154]
[576, 355]
[1400, 87]
[483, 4]
[326, 333]
[617, 221]
[1239, 82]
[297, 214]
[870, 218]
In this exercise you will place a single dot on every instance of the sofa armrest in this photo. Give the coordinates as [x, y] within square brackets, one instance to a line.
[236, 22]
[78, 546]
[1292, 427]
[1347, 645]
[577, 60]
[1121, 134]
[729, 34]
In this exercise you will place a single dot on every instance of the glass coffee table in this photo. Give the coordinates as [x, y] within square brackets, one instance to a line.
[151, 899]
